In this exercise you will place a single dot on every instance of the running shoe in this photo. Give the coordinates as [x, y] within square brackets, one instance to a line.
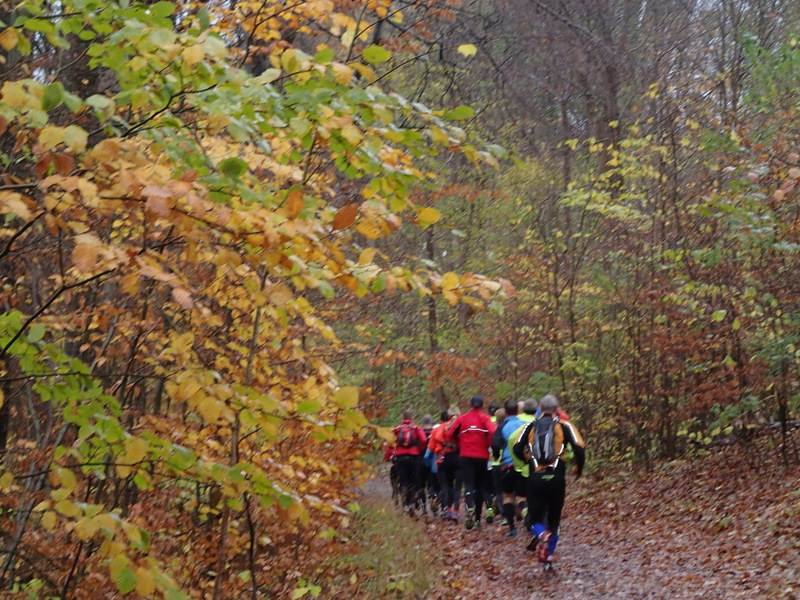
[548, 567]
[470, 522]
[512, 533]
[489, 515]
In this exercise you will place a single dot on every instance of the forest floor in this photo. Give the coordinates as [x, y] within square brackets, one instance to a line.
[713, 528]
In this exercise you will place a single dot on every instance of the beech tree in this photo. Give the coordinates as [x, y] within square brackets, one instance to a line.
[183, 189]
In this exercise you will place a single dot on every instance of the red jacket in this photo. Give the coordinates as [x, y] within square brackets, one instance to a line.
[390, 453]
[474, 431]
[417, 449]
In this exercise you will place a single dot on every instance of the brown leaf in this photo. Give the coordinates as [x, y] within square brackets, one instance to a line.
[64, 163]
[345, 216]
[43, 164]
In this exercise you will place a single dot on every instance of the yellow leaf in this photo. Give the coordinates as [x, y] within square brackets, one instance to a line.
[451, 298]
[429, 216]
[467, 50]
[346, 397]
[106, 521]
[67, 508]
[75, 138]
[183, 342]
[367, 256]
[67, 477]
[342, 73]
[51, 136]
[12, 202]
[9, 38]
[449, 281]
[194, 54]
[348, 37]
[352, 134]
[14, 94]
[368, 229]
[6, 480]
[438, 135]
[188, 388]
[145, 583]
[86, 528]
[135, 451]
[209, 409]
[49, 520]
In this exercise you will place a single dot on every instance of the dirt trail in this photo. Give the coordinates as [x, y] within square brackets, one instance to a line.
[724, 533]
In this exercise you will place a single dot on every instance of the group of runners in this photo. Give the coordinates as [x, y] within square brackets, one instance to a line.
[511, 461]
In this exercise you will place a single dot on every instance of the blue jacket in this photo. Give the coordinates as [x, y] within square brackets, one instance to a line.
[510, 425]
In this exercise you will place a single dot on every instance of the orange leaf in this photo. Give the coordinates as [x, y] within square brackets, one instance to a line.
[279, 294]
[294, 202]
[182, 297]
[345, 216]
[84, 256]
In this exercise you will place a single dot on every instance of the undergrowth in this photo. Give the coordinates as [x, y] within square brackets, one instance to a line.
[392, 555]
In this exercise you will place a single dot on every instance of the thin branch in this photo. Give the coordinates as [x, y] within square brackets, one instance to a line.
[47, 304]
[17, 235]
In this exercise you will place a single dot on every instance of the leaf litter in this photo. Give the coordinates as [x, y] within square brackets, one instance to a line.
[720, 526]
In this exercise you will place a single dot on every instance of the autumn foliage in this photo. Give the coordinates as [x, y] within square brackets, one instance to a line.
[178, 203]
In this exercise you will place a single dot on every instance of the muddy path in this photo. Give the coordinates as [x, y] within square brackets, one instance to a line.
[719, 530]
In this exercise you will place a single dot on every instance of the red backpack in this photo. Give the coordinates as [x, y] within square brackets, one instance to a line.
[406, 435]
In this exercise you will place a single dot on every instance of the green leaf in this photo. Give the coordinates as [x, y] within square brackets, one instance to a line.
[729, 362]
[203, 19]
[126, 580]
[300, 126]
[324, 56]
[375, 55]
[459, 113]
[718, 315]
[308, 406]
[99, 102]
[326, 290]
[72, 101]
[53, 96]
[285, 501]
[162, 9]
[36, 333]
[233, 167]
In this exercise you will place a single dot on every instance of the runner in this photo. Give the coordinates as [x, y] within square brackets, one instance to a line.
[448, 465]
[409, 443]
[473, 432]
[511, 482]
[542, 445]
